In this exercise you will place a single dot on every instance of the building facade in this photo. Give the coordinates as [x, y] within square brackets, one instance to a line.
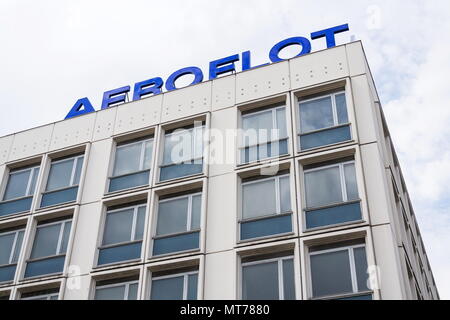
[280, 182]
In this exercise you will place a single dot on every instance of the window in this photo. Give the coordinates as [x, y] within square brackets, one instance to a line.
[331, 194]
[340, 271]
[63, 180]
[180, 286]
[122, 235]
[4, 295]
[131, 165]
[19, 191]
[50, 294]
[49, 248]
[323, 120]
[183, 153]
[270, 279]
[178, 225]
[123, 289]
[266, 207]
[10, 245]
[264, 134]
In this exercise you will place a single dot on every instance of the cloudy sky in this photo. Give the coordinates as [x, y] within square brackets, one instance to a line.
[54, 52]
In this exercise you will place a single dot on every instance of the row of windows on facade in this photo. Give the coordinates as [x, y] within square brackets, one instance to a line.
[323, 121]
[337, 271]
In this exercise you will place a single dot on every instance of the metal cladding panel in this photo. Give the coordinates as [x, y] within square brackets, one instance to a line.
[318, 67]
[104, 124]
[356, 59]
[220, 276]
[186, 102]
[364, 110]
[138, 114]
[224, 92]
[262, 82]
[73, 131]
[31, 142]
[5, 146]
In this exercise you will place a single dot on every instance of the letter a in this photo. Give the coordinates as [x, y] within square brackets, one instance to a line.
[80, 107]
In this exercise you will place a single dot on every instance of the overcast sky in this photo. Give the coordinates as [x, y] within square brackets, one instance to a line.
[54, 52]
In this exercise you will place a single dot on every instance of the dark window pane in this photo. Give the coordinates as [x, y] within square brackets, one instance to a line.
[316, 114]
[341, 108]
[288, 279]
[129, 181]
[192, 287]
[6, 244]
[148, 155]
[262, 151]
[7, 273]
[132, 291]
[18, 247]
[325, 137]
[266, 227]
[65, 238]
[361, 268]
[45, 241]
[110, 293]
[47, 266]
[140, 223]
[285, 195]
[333, 215]
[60, 174]
[182, 242]
[196, 211]
[167, 289]
[17, 185]
[172, 216]
[260, 281]
[15, 206]
[330, 273]
[120, 253]
[350, 181]
[33, 181]
[181, 170]
[77, 175]
[118, 226]
[363, 297]
[57, 197]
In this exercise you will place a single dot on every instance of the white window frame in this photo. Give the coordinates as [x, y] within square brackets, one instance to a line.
[333, 110]
[279, 260]
[185, 276]
[193, 134]
[342, 181]
[188, 216]
[133, 226]
[27, 191]
[13, 248]
[141, 157]
[60, 239]
[277, 197]
[127, 285]
[354, 279]
[72, 175]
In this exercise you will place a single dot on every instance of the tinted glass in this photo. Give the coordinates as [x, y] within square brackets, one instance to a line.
[285, 195]
[140, 224]
[18, 246]
[281, 122]
[260, 281]
[76, 178]
[323, 187]
[17, 185]
[316, 114]
[350, 181]
[172, 216]
[33, 181]
[46, 241]
[167, 289]
[192, 287]
[361, 268]
[65, 238]
[6, 244]
[110, 293]
[60, 174]
[196, 211]
[128, 158]
[288, 279]
[341, 108]
[132, 291]
[118, 226]
[330, 273]
[148, 154]
[258, 199]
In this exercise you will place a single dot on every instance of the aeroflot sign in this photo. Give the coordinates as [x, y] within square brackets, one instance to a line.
[154, 86]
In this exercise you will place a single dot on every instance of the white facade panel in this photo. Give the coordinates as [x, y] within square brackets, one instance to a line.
[31, 142]
[220, 276]
[104, 124]
[223, 92]
[73, 131]
[5, 147]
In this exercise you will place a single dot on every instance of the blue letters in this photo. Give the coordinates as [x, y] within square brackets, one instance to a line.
[217, 67]
[246, 61]
[197, 72]
[150, 86]
[329, 34]
[306, 47]
[77, 108]
[115, 96]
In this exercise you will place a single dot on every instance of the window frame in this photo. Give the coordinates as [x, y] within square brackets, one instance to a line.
[63, 223]
[354, 279]
[176, 275]
[141, 158]
[270, 107]
[118, 284]
[279, 270]
[30, 178]
[13, 249]
[48, 296]
[188, 215]
[133, 229]
[76, 158]
[342, 181]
